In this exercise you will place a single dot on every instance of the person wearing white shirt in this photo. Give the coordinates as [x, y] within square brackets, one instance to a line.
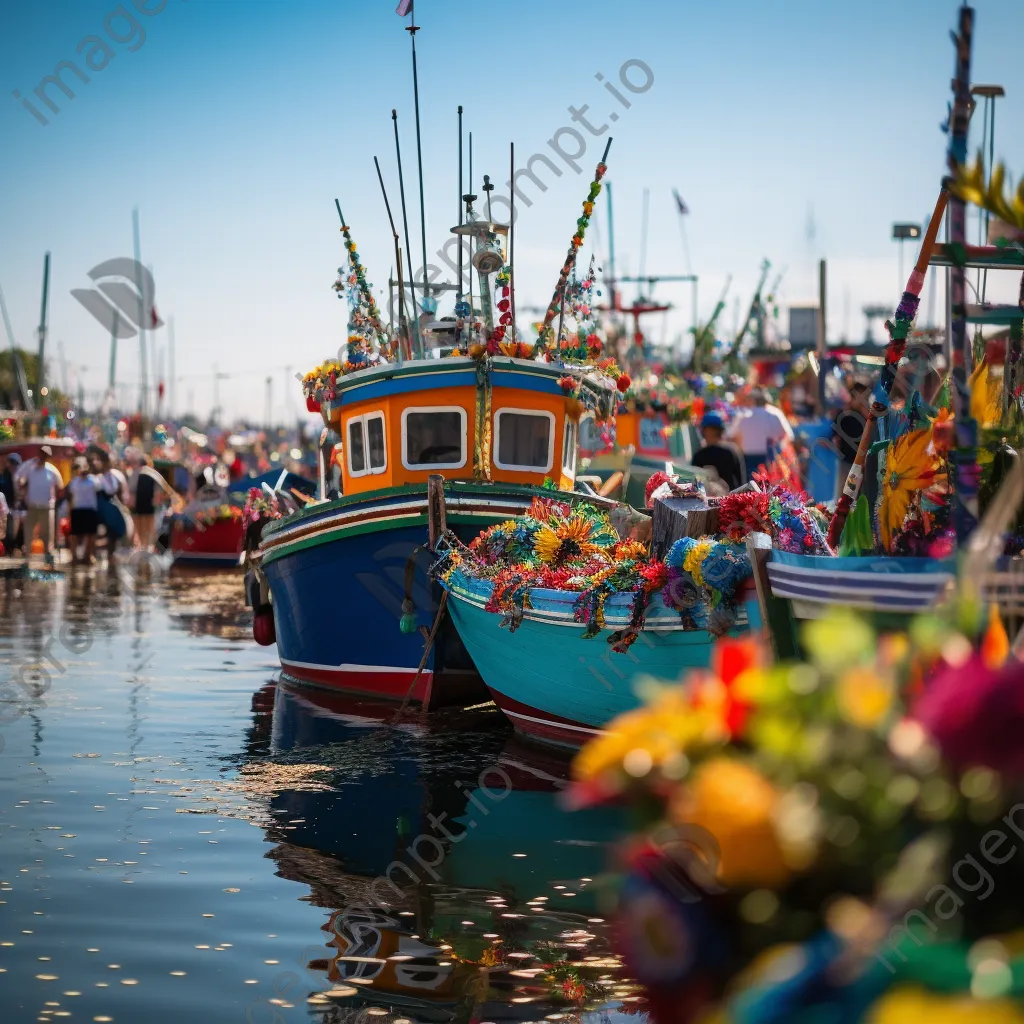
[40, 482]
[82, 490]
[758, 431]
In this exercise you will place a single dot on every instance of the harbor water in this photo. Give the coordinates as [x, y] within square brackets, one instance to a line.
[184, 837]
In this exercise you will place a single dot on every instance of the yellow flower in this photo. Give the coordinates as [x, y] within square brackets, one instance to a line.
[663, 730]
[909, 1003]
[627, 549]
[864, 696]
[986, 404]
[911, 465]
[694, 559]
[568, 539]
[736, 805]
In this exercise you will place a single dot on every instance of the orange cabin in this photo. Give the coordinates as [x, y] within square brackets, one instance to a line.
[400, 424]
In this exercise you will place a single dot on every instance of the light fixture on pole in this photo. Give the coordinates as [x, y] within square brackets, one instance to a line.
[900, 233]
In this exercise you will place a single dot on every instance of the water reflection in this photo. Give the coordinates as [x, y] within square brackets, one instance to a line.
[182, 838]
[457, 889]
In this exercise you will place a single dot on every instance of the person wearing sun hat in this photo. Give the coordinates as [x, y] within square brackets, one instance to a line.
[39, 482]
[724, 458]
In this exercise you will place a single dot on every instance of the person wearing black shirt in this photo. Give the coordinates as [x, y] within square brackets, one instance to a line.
[725, 459]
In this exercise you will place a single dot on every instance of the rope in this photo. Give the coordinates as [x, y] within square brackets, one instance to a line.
[423, 661]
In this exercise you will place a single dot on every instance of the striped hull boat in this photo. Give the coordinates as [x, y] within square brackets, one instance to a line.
[336, 574]
[884, 584]
[557, 688]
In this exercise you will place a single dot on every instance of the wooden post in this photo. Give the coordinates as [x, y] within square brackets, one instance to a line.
[776, 614]
[965, 496]
[437, 523]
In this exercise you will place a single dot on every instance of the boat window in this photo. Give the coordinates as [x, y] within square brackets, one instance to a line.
[375, 441]
[590, 434]
[367, 453]
[356, 448]
[569, 447]
[434, 438]
[524, 439]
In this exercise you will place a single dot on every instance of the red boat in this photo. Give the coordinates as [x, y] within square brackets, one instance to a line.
[209, 531]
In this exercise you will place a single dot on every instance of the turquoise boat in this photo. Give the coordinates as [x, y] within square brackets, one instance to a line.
[558, 688]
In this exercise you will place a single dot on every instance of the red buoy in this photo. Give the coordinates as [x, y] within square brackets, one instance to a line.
[263, 631]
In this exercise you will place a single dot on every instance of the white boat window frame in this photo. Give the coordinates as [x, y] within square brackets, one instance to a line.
[551, 439]
[362, 421]
[569, 463]
[418, 467]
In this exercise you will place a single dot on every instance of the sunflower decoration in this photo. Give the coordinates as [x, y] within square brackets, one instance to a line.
[577, 536]
[912, 468]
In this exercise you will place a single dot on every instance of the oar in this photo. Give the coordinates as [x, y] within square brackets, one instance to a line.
[899, 328]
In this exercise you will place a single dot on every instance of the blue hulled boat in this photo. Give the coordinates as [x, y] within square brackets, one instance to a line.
[557, 687]
[341, 583]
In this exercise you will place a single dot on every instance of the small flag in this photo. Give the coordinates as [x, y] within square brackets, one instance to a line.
[154, 319]
[404, 8]
[683, 208]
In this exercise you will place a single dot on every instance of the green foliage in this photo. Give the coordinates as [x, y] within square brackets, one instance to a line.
[858, 537]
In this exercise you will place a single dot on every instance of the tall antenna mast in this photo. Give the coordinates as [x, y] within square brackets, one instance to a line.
[643, 235]
[41, 369]
[408, 241]
[142, 313]
[398, 260]
[458, 290]
[611, 250]
[19, 369]
[512, 240]
[412, 30]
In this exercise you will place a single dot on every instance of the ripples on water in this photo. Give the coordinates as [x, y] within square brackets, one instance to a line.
[183, 839]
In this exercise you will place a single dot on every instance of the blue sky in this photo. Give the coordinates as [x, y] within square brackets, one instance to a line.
[234, 125]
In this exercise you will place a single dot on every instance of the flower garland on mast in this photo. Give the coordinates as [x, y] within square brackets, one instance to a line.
[546, 337]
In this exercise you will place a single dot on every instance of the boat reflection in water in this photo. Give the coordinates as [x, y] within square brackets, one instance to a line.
[457, 888]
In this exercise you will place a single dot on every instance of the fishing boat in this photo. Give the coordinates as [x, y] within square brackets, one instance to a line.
[496, 430]
[562, 615]
[557, 688]
[489, 421]
[209, 531]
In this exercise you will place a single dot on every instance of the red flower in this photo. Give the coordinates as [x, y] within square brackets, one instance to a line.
[653, 483]
[623, 382]
[655, 575]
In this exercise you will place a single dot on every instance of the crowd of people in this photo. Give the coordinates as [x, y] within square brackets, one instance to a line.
[37, 508]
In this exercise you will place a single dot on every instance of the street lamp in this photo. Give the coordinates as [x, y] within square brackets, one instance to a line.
[900, 233]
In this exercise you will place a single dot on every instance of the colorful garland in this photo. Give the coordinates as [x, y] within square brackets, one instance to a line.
[357, 282]
[546, 336]
[704, 577]
[557, 547]
[785, 516]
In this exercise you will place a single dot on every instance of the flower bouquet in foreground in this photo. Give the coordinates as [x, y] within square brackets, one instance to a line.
[828, 840]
